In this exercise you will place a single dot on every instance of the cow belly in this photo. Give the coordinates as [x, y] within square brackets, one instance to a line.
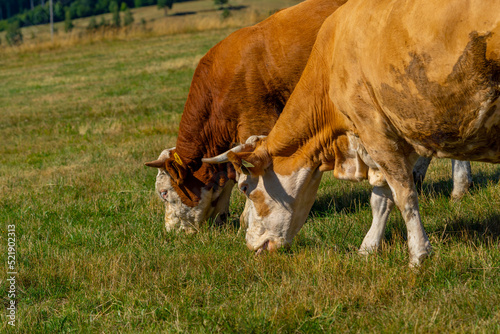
[467, 130]
[477, 140]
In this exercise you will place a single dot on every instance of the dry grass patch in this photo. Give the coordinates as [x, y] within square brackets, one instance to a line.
[187, 17]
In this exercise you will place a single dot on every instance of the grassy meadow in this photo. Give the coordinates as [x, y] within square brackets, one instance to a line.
[77, 122]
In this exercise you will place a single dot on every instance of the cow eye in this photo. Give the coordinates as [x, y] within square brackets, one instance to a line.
[163, 194]
[244, 188]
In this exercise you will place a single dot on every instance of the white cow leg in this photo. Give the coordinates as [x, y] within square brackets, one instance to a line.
[462, 178]
[382, 204]
[397, 168]
[406, 199]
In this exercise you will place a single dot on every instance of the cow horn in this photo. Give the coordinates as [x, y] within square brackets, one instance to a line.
[160, 163]
[222, 158]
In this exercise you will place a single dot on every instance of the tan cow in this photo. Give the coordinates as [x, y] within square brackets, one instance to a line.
[239, 89]
[387, 81]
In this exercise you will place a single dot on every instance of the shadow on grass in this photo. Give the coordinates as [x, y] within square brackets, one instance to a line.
[440, 188]
[183, 14]
[347, 203]
[351, 201]
[471, 228]
[230, 8]
[232, 220]
[480, 180]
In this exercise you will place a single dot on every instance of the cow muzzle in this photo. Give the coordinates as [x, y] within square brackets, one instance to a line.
[268, 245]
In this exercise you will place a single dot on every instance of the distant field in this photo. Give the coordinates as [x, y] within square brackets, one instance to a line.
[78, 121]
[150, 21]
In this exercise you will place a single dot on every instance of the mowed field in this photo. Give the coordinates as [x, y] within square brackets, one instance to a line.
[77, 123]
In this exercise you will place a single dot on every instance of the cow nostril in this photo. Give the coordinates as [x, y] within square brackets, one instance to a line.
[244, 189]
[262, 248]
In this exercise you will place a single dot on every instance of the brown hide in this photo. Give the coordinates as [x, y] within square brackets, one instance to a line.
[239, 89]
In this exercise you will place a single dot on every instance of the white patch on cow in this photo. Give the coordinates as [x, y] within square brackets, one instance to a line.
[462, 179]
[381, 203]
[288, 199]
[245, 216]
[179, 216]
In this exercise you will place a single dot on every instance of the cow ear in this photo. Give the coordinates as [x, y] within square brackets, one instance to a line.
[247, 163]
[243, 157]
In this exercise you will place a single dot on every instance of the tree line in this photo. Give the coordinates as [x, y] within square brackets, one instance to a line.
[34, 12]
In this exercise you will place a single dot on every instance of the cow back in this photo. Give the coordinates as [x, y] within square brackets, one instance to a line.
[424, 71]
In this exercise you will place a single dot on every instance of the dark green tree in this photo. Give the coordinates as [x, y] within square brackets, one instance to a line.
[14, 36]
[59, 12]
[220, 3]
[225, 13]
[92, 24]
[165, 5]
[103, 22]
[81, 8]
[68, 24]
[113, 8]
[102, 6]
[40, 15]
[128, 19]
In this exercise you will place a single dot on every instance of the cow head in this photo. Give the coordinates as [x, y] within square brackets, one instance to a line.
[188, 200]
[279, 202]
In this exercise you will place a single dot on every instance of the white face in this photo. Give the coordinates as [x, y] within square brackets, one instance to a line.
[179, 216]
[278, 207]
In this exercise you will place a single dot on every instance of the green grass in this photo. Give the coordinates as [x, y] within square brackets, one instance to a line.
[76, 126]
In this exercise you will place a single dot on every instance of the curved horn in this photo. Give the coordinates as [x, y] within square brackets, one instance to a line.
[221, 158]
[160, 163]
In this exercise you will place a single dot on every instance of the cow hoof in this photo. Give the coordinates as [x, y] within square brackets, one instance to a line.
[457, 195]
[368, 250]
[416, 261]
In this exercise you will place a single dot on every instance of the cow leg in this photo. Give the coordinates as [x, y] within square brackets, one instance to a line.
[462, 178]
[420, 169]
[221, 209]
[406, 198]
[397, 167]
[382, 203]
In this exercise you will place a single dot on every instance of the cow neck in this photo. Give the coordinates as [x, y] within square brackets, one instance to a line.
[305, 133]
[199, 125]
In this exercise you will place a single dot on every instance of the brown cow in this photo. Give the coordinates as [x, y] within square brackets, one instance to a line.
[239, 89]
[387, 81]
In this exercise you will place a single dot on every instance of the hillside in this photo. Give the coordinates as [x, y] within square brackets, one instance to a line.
[150, 21]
